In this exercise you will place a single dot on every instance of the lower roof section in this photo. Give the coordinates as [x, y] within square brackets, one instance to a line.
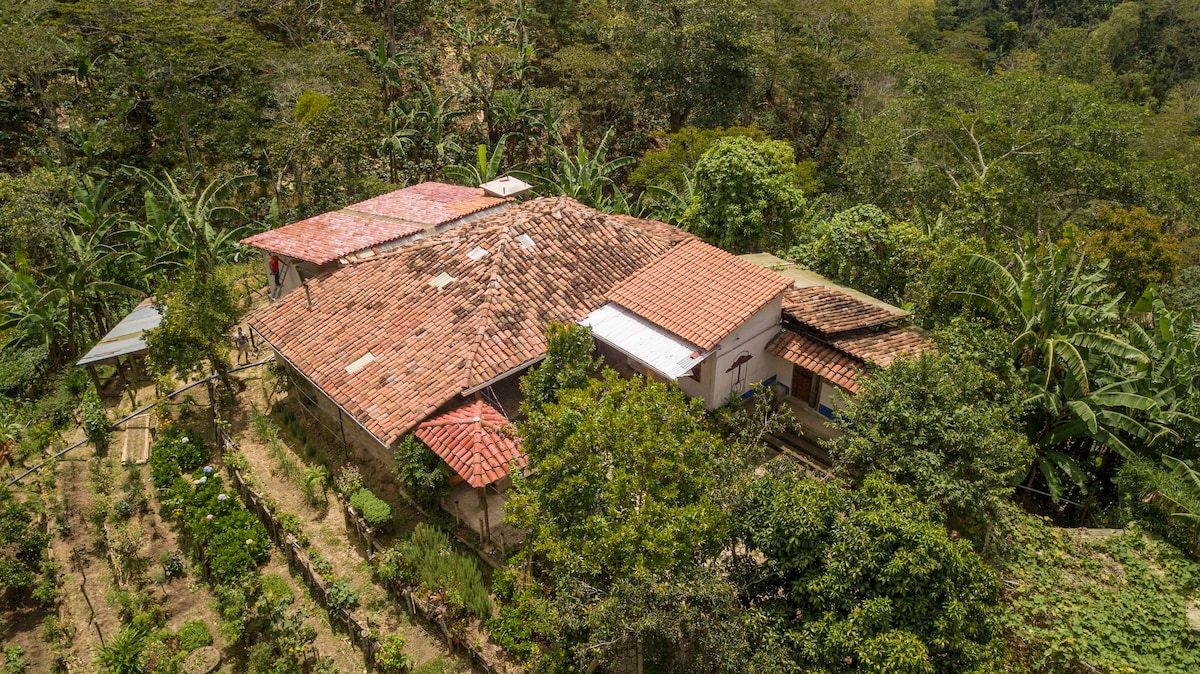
[665, 353]
[824, 360]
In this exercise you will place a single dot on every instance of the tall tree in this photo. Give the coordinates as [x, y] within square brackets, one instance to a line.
[747, 195]
[867, 580]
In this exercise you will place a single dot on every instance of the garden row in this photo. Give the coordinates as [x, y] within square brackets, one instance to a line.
[231, 545]
[420, 569]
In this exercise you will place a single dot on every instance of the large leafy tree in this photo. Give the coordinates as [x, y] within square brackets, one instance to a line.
[747, 194]
[197, 314]
[569, 364]
[627, 475]
[867, 580]
[625, 507]
[863, 248]
[1007, 153]
[189, 229]
[941, 426]
[1138, 249]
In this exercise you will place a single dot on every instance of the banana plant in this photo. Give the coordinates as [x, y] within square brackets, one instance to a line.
[487, 167]
[583, 175]
[190, 227]
[1081, 374]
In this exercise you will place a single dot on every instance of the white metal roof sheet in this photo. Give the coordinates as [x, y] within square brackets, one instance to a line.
[127, 336]
[662, 351]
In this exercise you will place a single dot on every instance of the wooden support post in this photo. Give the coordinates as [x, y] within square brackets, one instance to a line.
[483, 503]
[91, 368]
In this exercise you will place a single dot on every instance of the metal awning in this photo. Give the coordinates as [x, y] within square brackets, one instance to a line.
[127, 336]
[665, 353]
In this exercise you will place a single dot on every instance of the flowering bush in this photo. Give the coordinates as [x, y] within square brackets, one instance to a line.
[178, 451]
[349, 480]
[234, 541]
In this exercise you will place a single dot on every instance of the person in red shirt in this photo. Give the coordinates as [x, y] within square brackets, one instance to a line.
[275, 269]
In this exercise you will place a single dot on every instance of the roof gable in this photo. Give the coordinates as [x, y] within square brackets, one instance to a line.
[699, 292]
[476, 441]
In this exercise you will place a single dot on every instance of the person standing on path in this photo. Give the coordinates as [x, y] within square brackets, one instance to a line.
[275, 270]
[242, 342]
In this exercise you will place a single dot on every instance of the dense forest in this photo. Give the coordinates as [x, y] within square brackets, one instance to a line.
[1024, 176]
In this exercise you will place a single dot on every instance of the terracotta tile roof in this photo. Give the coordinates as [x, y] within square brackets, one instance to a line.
[428, 203]
[881, 346]
[699, 292]
[476, 441]
[326, 237]
[388, 217]
[546, 260]
[821, 358]
[829, 311]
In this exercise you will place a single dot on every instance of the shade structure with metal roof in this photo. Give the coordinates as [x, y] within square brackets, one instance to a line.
[476, 441]
[128, 336]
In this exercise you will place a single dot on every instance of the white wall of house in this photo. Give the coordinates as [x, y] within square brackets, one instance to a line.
[830, 397]
[292, 272]
[719, 377]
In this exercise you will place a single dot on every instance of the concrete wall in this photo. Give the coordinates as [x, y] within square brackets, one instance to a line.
[719, 376]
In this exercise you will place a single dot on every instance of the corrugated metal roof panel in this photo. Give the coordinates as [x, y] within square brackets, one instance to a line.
[127, 336]
[663, 352]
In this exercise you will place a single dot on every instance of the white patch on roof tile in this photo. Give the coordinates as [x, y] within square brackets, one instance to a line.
[477, 253]
[525, 241]
[360, 363]
[441, 280]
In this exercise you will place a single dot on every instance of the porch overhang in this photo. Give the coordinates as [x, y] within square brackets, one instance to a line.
[663, 352]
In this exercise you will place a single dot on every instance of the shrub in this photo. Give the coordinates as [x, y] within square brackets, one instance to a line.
[428, 560]
[123, 654]
[391, 658]
[178, 451]
[14, 661]
[342, 596]
[22, 369]
[421, 472]
[276, 589]
[172, 564]
[95, 421]
[1152, 494]
[194, 634]
[349, 480]
[376, 512]
[233, 540]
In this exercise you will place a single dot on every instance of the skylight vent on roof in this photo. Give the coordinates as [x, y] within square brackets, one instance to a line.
[525, 241]
[360, 363]
[477, 254]
[441, 280]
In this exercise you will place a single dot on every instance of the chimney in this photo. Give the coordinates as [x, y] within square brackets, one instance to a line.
[506, 186]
